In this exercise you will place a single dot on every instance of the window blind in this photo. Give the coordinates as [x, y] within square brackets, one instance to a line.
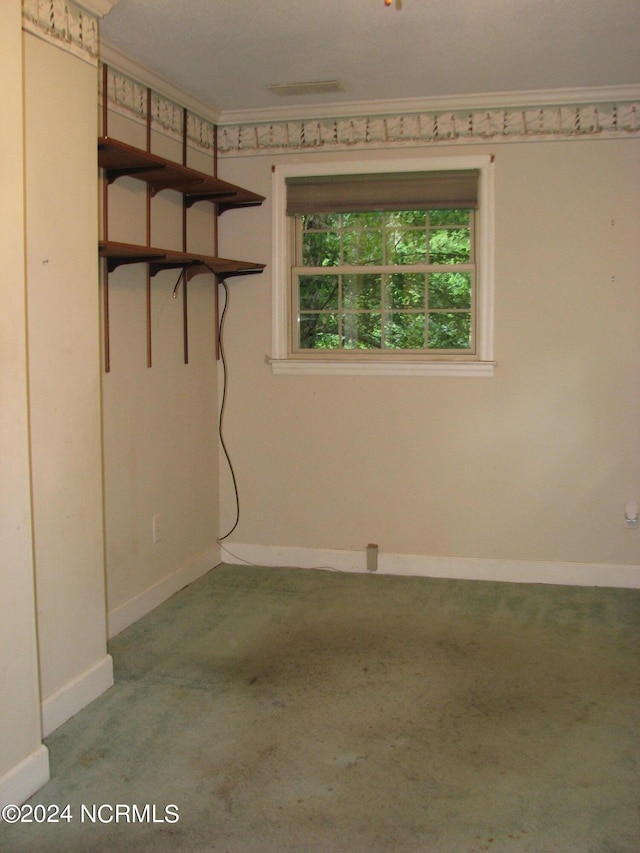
[390, 191]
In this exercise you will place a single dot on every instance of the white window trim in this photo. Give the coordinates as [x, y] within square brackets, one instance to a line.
[481, 365]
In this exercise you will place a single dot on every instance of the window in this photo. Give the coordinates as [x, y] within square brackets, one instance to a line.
[384, 281]
[385, 269]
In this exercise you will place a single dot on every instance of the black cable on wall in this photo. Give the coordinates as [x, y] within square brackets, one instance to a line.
[223, 402]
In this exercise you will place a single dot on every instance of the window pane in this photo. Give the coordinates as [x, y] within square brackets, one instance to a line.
[362, 247]
[450, 217]
[321, 249]
[318, 292]
[406, 290]
[319, 331]
[361, 291]
[405, 331]
[361, 331]
[363, 220]
[450, 290]
[449, 331]
[450, 246]
[324, 221]
[406, 246]
[407, 217]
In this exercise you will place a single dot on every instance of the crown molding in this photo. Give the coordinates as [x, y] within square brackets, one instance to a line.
[110, 55]
[99, 8]
[448, 103]
[578, 113]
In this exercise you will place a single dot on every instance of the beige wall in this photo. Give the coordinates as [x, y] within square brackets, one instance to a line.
[159, 425]
[64, 373]
[160, 439]
[20, 701]
[535, 464]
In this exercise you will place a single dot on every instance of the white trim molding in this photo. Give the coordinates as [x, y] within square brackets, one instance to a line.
[139, 605]
[320, 367]
[99, 8]
[467, 103]
[25, 778]
[71, 26]
[137, 73]
[596, 113]
[442, 126]
[76, 694]
[420, 565]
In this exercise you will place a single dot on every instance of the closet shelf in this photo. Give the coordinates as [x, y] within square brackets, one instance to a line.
[117, 254]
[119, 159]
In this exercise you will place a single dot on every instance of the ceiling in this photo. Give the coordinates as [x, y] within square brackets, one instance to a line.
[227, 52]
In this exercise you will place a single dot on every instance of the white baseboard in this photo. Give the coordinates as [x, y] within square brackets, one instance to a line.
[25, 778]
[417, 565]
[144, 602]
[76, 694]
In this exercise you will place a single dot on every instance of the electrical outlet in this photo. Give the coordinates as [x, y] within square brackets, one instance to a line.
[372, 558]
[155, 529]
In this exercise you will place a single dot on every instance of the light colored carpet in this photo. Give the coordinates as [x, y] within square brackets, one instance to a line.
[297, 711]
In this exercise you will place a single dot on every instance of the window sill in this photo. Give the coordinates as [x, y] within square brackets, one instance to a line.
[309, 367]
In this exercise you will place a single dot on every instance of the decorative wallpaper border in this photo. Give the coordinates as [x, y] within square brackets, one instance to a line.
[512, 124]
[129, 97]
[541, 123]
[65, 24]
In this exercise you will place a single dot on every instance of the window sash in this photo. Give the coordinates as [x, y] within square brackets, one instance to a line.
[385, 311]
[340, 230]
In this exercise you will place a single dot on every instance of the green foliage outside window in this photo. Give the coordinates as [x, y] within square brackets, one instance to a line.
[400, 280]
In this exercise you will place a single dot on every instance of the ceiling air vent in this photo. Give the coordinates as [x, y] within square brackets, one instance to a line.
[319, 87]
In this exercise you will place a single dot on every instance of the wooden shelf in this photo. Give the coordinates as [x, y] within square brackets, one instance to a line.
[119, 159]
[118, 254]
